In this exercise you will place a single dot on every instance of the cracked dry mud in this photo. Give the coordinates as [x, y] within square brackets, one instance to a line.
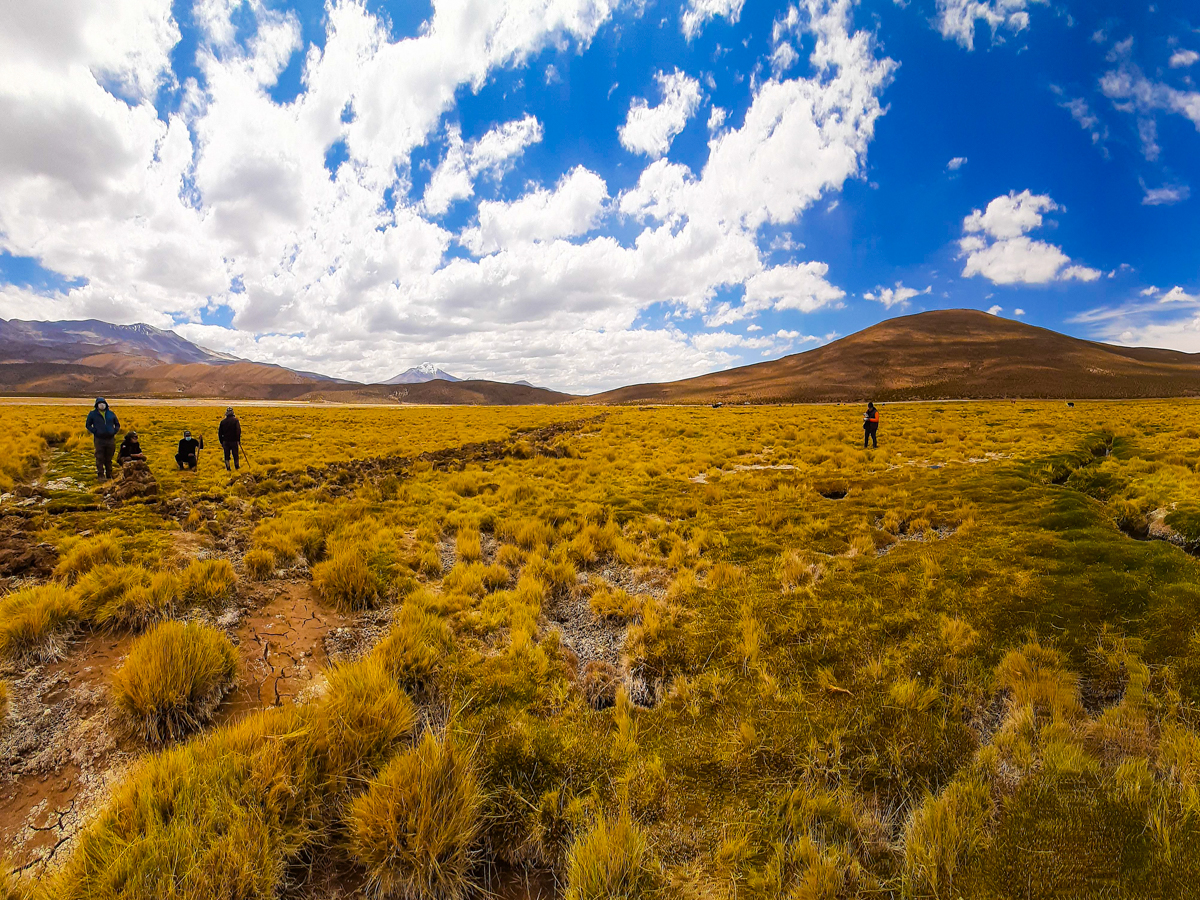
[282, 649]
[61, 749]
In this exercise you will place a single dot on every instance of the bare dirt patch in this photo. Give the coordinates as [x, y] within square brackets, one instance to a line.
[281, 645]
[61, 749]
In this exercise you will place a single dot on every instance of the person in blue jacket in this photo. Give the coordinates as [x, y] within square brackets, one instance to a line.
[102, 424]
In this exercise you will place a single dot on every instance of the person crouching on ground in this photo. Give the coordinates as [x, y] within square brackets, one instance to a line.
[130, 449]
[189, 448]
[102, 424]
[871, 426]
[229, 436]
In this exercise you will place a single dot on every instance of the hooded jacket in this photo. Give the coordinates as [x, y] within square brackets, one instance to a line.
[102, 425]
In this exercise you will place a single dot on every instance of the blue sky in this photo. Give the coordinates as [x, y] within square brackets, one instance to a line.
[587, 193]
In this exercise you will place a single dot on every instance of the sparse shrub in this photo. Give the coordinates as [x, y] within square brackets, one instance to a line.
[35, 621]
[260, 563]
[347, 582]
[416, 829]
[612, 860]
[85, 555]
[209, 582]
[173, 679]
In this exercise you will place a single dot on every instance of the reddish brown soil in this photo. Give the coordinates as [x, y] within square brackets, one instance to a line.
[60, 750]
[282, 648]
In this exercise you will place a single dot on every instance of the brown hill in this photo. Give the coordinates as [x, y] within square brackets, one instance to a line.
[93, 358]
[136, 377]
[943, 354]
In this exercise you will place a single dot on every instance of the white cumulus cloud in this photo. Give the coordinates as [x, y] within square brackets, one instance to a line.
[226, 204]
[454, 178]
[995, 244]
[1181, 59]
[699, 12]
[895, 296]
[651, 129]
[956, 18]
[572, 208]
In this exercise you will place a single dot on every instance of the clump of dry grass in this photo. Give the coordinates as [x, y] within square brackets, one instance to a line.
[209, 582]
[468, 545]
[416, 829]
[105, 585]
[173, 679]
[612, 860]
[412, 650]
[943, 835]
[85, 554]
[145, 601]
[260, 563]
[347, 582]
[3, 700]
[364, 714]
[35, 621]
[615, 603]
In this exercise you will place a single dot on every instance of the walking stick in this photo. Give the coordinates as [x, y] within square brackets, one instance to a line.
[245, 455]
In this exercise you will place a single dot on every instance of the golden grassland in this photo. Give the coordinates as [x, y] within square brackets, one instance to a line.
[673, 652]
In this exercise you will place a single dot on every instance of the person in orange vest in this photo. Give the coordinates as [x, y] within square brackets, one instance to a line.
[871, 426]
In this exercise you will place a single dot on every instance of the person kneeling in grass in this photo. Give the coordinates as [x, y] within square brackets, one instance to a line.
[189, 451]
[130, 450]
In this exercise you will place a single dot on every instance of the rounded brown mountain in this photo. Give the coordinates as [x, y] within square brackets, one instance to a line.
[940, 355]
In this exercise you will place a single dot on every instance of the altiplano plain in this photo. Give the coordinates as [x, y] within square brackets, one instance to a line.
[606, 652]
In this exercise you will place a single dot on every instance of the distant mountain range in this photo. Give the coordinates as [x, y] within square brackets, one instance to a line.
[936, 355]
[421, 374]
[944, 354]
[91, 357]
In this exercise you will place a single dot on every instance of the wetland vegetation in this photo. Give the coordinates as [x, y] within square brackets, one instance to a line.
[628, 652]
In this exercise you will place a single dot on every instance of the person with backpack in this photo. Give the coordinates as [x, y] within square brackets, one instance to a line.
[229, 436]
[871, 426]
[102, 424]
[188, 454]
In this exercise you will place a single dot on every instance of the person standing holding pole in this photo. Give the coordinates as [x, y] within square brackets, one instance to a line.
[102, 424]
[871, 426]
[229, 436]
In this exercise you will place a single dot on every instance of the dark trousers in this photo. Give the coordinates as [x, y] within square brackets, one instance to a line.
[231, 450]
[185, 461]
[105, 448]
[869, 432]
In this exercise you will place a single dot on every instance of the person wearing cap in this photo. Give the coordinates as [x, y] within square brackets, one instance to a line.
[229, 436]
[189, 448]
[130, 450]
[102, 424]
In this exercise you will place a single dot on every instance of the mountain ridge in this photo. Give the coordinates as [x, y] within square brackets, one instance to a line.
[939, 355]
